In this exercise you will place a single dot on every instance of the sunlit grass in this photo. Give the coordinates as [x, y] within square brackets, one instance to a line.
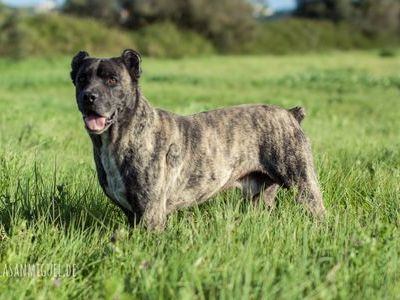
[52, 210]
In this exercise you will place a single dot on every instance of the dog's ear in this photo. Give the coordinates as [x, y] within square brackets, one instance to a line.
[132, 60]
[76, 64]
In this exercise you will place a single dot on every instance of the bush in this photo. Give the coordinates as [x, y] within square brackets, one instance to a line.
[16, 38]
[166, 40]
[387, 52]
[51, 34]
[303, 35]
[54, 34]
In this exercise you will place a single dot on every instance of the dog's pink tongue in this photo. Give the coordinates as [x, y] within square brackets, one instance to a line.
[95, 123]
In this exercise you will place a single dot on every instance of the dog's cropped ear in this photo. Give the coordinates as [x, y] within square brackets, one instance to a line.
[132, 60]
[76, 63]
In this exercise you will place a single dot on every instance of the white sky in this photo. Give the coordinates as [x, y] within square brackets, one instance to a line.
[275, 4]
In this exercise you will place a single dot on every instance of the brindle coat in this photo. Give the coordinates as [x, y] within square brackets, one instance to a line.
[151, 162]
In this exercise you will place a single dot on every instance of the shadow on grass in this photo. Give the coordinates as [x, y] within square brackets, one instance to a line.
[65, 206]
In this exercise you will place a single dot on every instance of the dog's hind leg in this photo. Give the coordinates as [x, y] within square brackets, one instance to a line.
[291, 165]
[306, 182]
[268, 194]
[309, 193]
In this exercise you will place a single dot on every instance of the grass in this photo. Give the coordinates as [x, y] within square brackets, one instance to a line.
[52, 210]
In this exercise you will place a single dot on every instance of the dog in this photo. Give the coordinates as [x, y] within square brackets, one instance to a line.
[151, 162]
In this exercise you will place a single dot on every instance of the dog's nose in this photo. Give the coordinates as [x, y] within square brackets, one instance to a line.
[89, 97]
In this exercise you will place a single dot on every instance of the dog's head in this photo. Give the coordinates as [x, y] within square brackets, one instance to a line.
[104, 87]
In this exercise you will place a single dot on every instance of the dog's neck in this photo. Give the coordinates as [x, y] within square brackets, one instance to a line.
[136, 117]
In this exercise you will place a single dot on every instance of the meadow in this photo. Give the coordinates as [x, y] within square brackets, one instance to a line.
[52, 210]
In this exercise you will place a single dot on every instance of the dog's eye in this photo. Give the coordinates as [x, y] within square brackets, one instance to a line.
[112, 81]
[81, 79]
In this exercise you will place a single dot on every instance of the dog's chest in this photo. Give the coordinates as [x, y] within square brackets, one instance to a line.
[115, 184]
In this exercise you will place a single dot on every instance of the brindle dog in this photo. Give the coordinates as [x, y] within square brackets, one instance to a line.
[151, 162]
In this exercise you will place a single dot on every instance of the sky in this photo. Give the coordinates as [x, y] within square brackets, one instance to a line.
[275, 4]
[282, 4]
[24, 2]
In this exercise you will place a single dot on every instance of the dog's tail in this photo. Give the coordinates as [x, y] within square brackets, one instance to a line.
[298, 113]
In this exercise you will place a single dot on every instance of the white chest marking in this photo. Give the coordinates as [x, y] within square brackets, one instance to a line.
[115, 185]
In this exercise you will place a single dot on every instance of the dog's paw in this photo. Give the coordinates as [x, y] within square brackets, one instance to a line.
[156, 227]
[154, 222]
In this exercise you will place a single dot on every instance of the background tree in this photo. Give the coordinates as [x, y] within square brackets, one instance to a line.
[373, 17]
[224, 22]
[335, 10]
[378, 17]
[106, 10]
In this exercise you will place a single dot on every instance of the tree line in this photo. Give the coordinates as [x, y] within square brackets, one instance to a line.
[226, 22]
[371, 16]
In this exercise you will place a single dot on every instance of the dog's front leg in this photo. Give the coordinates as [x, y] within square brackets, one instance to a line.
[155, 215]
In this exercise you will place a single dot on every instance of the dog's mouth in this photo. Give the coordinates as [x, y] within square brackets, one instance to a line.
[97, 124]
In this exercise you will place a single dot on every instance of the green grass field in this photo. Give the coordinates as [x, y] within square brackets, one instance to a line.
[52, 210]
